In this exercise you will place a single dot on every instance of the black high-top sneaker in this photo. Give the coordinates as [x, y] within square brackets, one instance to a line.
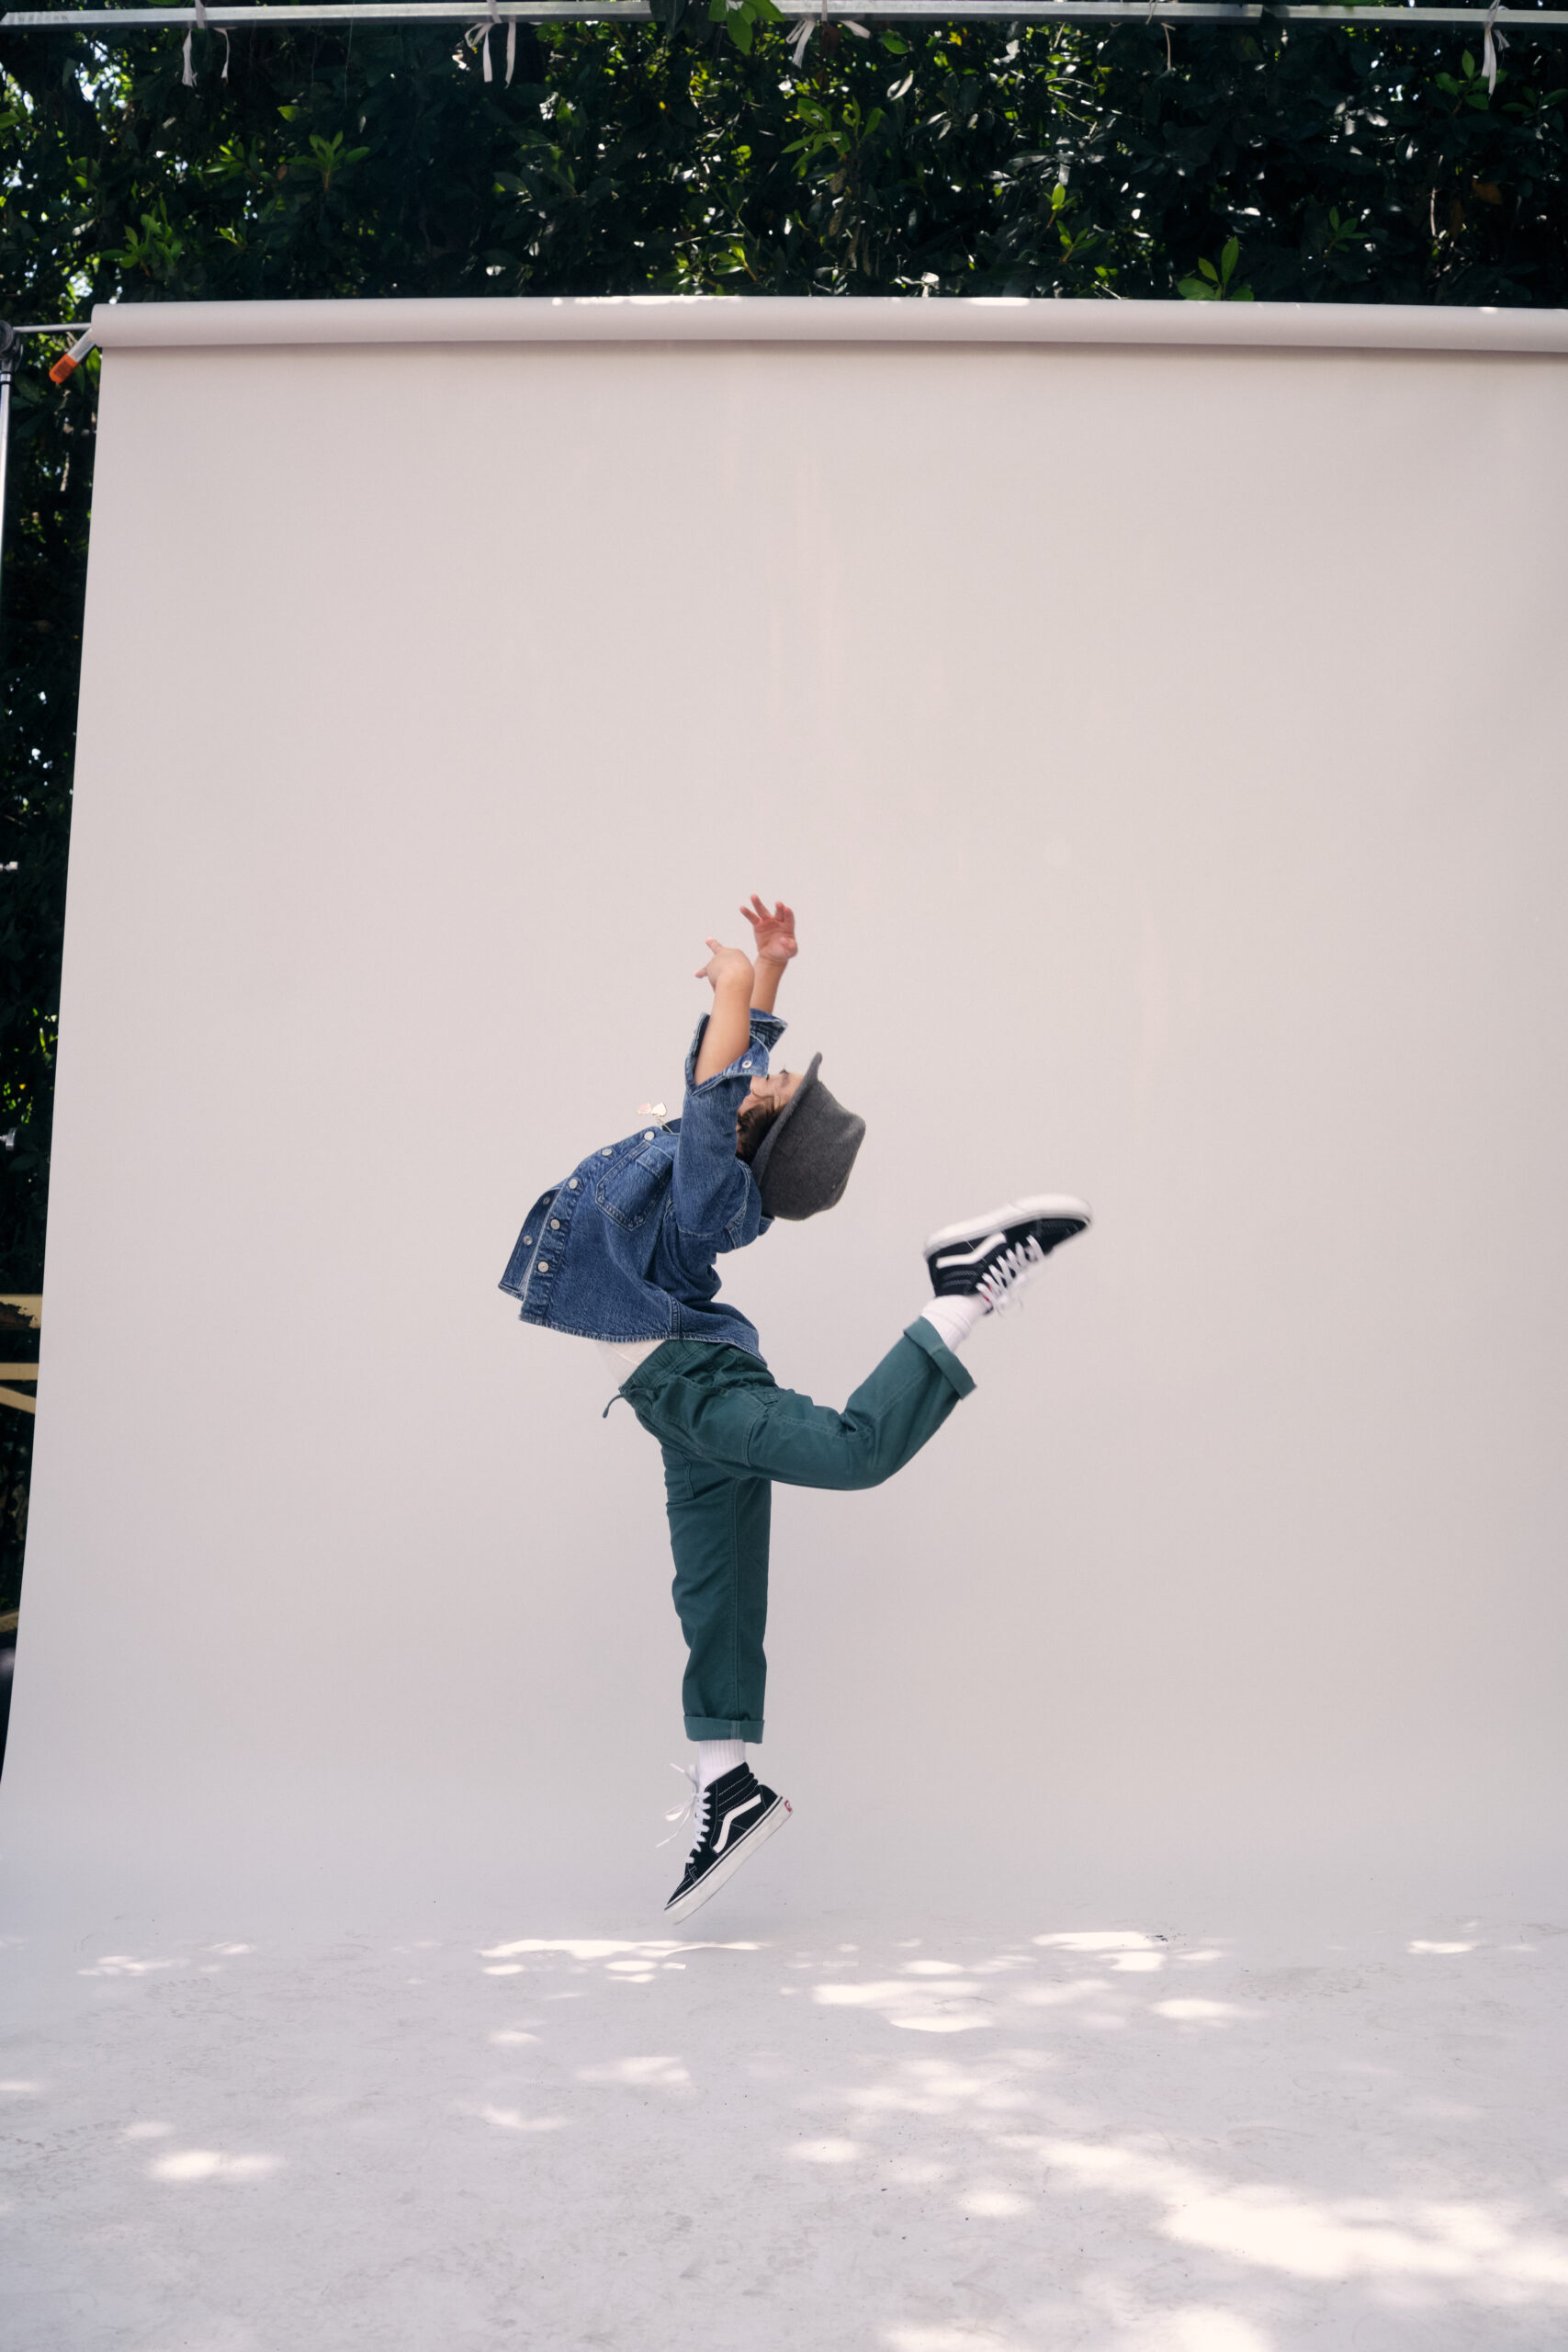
[989, 1257]
[735, 1814]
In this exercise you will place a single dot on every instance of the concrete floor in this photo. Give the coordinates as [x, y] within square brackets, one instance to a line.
[837, 2134]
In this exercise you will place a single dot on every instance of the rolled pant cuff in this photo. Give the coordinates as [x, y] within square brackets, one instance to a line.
[746, 1727]
[926, 1334]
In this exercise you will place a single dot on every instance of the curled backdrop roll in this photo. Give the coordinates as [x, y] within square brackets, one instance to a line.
[1162, 749]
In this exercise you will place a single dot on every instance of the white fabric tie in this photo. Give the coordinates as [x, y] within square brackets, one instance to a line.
[804, 27]
[188, 76]
[478, 36]
[1489, 48]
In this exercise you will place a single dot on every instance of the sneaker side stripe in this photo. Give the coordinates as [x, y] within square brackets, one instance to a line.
[734, 1814]
[972, 1256]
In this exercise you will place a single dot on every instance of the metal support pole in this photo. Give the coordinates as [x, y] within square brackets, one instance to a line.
[9, 343]
[7, 363]
[112, 24]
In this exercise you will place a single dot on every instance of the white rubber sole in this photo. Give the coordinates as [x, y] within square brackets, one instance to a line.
[975, 1228]
[724, 1869]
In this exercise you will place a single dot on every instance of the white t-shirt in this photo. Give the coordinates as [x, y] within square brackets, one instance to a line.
[623, 1356]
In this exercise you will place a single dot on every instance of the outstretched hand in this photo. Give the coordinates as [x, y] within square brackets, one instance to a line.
[774, 933]
[726, 964]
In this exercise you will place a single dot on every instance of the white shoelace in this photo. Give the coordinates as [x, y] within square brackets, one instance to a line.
[694, 1810]
[1008, 1273]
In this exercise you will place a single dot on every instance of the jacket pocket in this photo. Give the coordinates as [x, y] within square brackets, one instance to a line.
[634, 1190]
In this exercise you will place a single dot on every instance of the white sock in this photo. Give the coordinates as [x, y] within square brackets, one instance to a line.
[716, 1757]
[952, 1319]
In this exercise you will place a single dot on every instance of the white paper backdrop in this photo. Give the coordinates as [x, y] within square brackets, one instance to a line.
[1162, 751]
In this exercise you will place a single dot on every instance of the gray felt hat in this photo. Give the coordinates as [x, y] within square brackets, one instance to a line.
[803, 1163]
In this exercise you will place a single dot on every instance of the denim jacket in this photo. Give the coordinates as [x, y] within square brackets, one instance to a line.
[625, 1248]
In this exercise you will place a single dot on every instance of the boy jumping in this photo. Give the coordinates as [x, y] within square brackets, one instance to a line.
[623, 1252]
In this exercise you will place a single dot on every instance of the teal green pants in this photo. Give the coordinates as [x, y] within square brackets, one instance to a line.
[729, 1431]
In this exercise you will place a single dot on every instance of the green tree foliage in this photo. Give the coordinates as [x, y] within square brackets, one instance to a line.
[1275, 164]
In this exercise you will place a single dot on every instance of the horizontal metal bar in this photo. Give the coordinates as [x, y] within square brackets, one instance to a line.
[710, 320]
[335, 12]
[396, 12]
[65, 326]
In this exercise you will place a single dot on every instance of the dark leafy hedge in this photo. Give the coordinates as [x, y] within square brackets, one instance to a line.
[1366, 164]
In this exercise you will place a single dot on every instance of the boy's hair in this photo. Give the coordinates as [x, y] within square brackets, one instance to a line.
[753, 1125]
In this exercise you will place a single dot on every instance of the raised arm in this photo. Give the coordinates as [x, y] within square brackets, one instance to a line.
[775, 945]
[729, 972]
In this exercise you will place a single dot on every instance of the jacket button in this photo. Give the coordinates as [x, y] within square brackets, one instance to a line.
[745, 1065]
[608, 1152]
[555, 1225]
[648, 1134]
[544, 1265]
[527, 1241]
[572, 1184]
